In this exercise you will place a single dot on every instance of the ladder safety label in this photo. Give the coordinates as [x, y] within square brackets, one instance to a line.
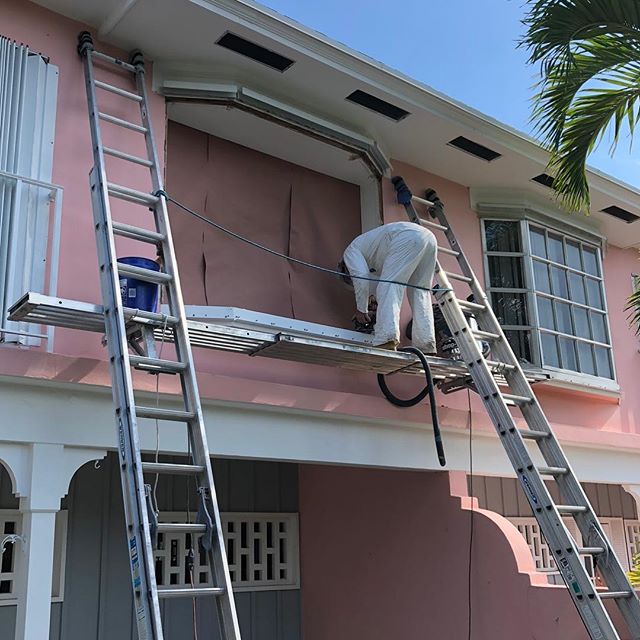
[529, 488]
[135, 562]
[121, 438]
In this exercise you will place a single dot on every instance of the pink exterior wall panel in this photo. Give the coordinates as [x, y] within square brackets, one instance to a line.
[385, 554]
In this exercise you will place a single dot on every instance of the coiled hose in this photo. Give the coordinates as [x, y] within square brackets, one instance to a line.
[411, 402]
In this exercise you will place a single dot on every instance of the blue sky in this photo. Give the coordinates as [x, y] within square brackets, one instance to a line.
[463, 48]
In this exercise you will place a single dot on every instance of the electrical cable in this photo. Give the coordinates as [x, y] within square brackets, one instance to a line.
[411, 402]
[310, 265]
[472, 522]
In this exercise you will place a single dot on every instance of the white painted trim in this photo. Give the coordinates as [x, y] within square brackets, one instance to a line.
[59, 412]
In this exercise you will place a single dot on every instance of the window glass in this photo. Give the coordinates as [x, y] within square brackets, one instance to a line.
[585, 351]
[594, 293]
[568, 353]
[576, 288]
[510, 308]
[520, 342]
[550, 354]
[556, 250]
[506, 272]
[502, 236]
[603, 360]
[541, 276]
[590, 258]
[573, 255]
[545, 313]
[563, 317]
[581, 319]
[538, 247]
[559, 281]
[598, 322]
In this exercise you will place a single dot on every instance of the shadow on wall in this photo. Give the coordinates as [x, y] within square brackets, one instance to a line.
[294, 210]
[385, 554]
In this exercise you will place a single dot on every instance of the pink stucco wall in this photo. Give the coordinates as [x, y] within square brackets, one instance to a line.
[577, 417]
[385, 554]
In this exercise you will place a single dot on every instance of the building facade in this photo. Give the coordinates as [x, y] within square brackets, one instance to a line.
[340, 523]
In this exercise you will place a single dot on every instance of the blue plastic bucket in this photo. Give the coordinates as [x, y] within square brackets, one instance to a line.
[138, 294]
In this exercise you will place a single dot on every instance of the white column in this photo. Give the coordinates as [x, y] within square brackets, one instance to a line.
[36, 572]
[41, 475]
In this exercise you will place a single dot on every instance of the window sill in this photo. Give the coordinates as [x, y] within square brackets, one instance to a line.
[582, 383]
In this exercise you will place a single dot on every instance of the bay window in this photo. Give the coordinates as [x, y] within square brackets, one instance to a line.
[547, 290]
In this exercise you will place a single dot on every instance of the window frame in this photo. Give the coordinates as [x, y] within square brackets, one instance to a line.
[533, 326]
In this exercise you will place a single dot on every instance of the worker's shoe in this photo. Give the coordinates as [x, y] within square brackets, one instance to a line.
[391, 345]
[429, 349]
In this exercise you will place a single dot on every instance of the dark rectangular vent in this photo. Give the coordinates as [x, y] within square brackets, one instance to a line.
[255, 51]
[475, 149]
[378, 105]
[544, 179]
[621, 214]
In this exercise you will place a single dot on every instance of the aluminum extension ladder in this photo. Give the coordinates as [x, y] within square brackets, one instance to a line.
[140, 513]
[566, 551]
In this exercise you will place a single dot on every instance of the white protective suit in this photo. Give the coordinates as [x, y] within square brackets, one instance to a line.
[401, 251]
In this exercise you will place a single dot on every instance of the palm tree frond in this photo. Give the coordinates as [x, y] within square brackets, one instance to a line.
[633, 306]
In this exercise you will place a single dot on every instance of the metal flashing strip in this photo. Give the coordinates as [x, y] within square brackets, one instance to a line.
[232, 95]
[268, 341]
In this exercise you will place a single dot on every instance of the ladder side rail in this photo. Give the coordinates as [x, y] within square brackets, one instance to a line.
[141, 560]
[562, 544]
[197, 432]
[569, 487]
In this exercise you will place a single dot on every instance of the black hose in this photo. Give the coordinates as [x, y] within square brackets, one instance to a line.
[411, 402]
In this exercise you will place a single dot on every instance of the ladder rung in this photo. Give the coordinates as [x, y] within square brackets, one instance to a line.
[115, 61]
[148, 275]
[433, 225]
[127, 156]
[485, 335]
[472, 306]
[605, 595]
[117, 90]
[553, 471]
[156, 365]
[529, 434]
[569, 508]
[156, 413]
[172, 469]
[448, 252]
[132, 195]
[517, 399]
[149, 317]
[136, 233]
[593, 551]
[122, 123]
[458, 276]
[502, 366]
[190, 593]
[171, 527]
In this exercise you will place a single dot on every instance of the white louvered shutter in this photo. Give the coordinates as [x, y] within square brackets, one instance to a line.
[28, 91]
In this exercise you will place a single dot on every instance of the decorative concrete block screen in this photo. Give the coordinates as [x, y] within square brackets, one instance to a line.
[530, 530]
[633, 537]
[262, 550]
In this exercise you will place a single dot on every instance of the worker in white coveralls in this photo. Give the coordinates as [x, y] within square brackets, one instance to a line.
[400, 251]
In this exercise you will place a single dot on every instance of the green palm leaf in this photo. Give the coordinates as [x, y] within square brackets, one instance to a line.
[589, 56]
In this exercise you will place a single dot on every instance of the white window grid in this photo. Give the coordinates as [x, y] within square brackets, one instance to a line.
[10, 563]
[529, 333]
[262, 552]
[542, 556]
